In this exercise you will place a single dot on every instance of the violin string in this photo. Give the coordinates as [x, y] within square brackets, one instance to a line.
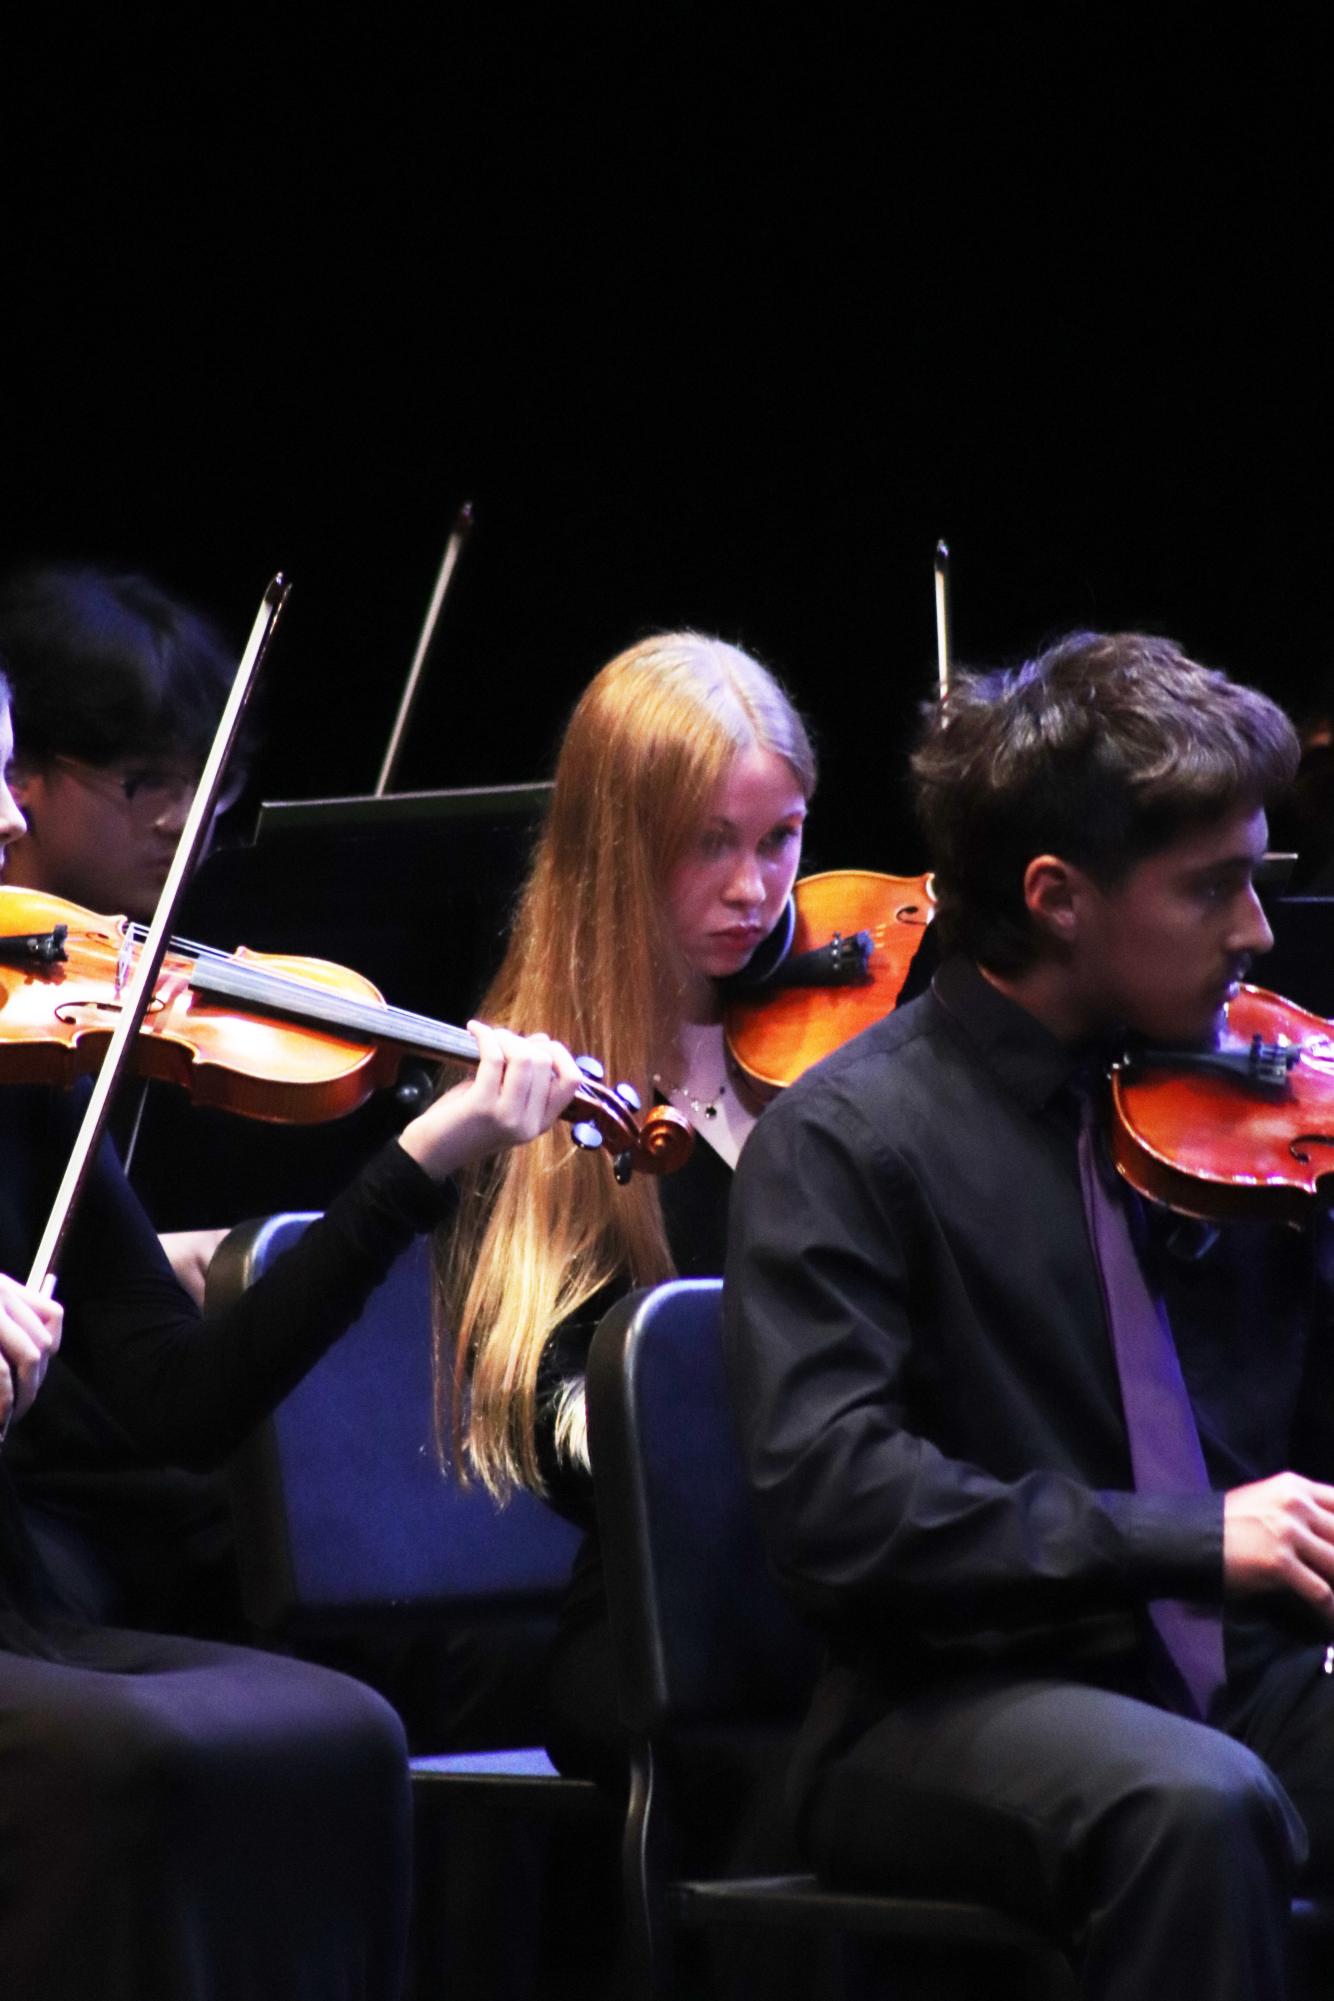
[221, 973]
[185, 947]
[306, 997]
[233, 980]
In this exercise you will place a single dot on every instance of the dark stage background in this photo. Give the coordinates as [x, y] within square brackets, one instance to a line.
[715, 320]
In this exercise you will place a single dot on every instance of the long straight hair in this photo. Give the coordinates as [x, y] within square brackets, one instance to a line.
[593, 960]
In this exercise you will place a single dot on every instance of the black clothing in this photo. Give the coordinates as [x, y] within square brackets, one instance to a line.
[1160, 1852]
[583, 1731]
[185, 1388]
[256, 1806]
[916, 1323]
[931, 1414]
[180, 1392]
[185, 1821]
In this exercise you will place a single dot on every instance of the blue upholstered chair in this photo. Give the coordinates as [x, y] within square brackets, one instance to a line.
[706, 1644]
[343, 1513]
[346, 1525]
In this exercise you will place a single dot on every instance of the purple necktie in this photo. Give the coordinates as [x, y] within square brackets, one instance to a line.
[1165, 1453]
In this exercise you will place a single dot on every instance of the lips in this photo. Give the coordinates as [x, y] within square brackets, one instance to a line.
[1223, 996]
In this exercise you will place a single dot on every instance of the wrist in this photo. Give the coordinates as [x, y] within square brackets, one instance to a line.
[437, 1154]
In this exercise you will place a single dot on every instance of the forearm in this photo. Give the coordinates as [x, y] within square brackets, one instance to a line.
[189, 1388]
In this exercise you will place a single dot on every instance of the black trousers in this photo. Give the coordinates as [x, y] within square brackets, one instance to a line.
[185, 1821]
[1164, 1853]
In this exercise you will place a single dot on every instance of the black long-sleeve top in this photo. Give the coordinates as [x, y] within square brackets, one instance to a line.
[694, 1205]
[923, 1372]
[185, 1388]
[694, 1208]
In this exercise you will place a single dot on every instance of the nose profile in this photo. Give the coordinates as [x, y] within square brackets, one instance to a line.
[747, 885]
[12, 822]
[1253, 932]
[175, 812]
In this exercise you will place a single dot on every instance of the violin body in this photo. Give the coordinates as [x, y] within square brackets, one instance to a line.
[1225, 1149]
[56, 1021]
[774, 1035]
[265, 1035]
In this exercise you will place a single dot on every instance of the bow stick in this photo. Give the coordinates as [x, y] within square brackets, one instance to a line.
[943, 618]
[140, 991]
[453, 550]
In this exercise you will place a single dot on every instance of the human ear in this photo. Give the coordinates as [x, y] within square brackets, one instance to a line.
[1052, 892]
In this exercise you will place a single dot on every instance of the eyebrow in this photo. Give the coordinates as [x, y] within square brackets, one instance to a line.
[1238, 864]
[794, 813]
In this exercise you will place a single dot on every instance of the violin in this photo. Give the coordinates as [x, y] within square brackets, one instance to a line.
[291, 1040]
[1241, 1132]
[853, 939]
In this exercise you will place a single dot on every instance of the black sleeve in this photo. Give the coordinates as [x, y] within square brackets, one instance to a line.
[188, 1388]
[568, 1485]
[828, 1292]
[694, 1210]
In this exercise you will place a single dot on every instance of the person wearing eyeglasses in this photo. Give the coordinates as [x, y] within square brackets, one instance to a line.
[117, 688]
[182, 1820]
[117, 692]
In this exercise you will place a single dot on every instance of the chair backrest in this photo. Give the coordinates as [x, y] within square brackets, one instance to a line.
[342, 1510]
[702, 1633]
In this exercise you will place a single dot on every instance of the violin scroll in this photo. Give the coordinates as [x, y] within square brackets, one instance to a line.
[658, 1144]
[666, 1138]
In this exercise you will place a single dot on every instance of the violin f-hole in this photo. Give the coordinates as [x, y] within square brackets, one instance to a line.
[67, 1012]
[1298, 1146]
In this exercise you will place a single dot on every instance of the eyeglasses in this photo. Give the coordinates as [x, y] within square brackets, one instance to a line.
[150, 792]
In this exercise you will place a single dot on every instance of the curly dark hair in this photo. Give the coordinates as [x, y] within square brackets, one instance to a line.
[1102, 750]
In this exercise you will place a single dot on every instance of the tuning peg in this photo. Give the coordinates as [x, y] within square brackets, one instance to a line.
[586, 1134]
[629, 1096]
[622, 1168]
[591, 1068]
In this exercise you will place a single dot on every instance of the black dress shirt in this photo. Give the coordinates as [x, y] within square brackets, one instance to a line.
[923, 1373]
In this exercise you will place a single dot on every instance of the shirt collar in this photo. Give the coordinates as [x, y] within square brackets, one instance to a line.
[1026, 1058]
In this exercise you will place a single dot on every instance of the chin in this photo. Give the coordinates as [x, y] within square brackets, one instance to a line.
[1216, 1029]
[1204, 1032]
[1194, 1029]
[721, 963]
[138, 905]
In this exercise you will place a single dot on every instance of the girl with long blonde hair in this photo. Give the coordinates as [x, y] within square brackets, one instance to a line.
[666, 862]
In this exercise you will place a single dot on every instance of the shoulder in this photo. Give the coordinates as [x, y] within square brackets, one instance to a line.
[884, 1067]
[866, 1110]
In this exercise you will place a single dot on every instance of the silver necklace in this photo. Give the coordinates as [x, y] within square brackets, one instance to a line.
[702, 1110]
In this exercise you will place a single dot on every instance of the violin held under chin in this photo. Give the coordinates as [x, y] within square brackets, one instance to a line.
[838, 967]
[1242, 1132]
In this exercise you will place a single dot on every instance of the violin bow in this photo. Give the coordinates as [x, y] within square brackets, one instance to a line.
[942, 569]
[150, 957]
[453, 550]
